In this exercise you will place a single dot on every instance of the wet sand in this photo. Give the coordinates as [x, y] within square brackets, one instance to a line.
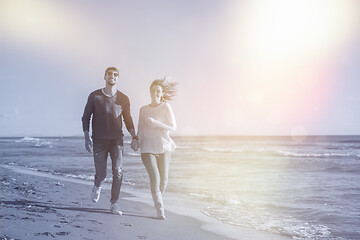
[37, 205]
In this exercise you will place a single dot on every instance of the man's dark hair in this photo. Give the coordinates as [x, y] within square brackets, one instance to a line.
[111, 68]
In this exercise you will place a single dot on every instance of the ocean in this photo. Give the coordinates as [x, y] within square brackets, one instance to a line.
[302, 188]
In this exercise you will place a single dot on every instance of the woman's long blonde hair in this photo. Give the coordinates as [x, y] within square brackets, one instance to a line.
[169, 89]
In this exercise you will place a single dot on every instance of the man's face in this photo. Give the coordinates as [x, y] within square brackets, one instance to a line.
[111, 77]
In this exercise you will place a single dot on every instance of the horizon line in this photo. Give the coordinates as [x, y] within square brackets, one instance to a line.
[202, 135]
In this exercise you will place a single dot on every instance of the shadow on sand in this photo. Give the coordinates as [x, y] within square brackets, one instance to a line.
[54, 206]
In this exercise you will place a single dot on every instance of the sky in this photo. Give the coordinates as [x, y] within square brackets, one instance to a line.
[243, 67]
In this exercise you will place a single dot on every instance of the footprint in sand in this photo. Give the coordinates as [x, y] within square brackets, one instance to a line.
[44, 234]
[62, 233]
[77, 226]
[27, 218]
[126, 224]
[35, 215]
[6, 237]
[94, 221]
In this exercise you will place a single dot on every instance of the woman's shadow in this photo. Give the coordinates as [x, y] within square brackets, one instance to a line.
[48, 206]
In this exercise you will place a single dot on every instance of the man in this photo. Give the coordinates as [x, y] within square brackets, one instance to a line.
[108, 106]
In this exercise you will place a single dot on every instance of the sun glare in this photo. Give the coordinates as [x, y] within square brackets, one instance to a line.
[283, 54]
[273, 32]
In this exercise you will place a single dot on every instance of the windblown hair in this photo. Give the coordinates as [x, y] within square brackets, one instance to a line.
[169, 88]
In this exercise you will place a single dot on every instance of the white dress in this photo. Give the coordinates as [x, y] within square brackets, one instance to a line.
[154, 135]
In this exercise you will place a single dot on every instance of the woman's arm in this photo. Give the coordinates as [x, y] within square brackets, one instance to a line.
[170, 118]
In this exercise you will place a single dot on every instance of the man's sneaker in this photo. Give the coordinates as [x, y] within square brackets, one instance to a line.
[114, 209]
[95, 194]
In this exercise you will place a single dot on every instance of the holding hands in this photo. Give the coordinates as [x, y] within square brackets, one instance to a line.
[135, 143]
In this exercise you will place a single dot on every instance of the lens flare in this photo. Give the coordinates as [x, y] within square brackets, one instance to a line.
[283, 58]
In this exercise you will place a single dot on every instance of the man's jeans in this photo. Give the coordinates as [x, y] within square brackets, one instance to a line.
[101, 150]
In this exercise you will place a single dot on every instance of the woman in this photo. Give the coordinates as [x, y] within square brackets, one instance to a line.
[155, 121]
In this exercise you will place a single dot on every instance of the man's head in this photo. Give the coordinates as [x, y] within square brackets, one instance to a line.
[111, 75]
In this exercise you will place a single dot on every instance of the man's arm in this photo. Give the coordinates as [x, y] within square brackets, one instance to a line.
[88, 111]
[132, 133]
[130, 126]
[128, 119]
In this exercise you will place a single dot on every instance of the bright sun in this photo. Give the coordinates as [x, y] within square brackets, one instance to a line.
[281, 55]
[277, 31]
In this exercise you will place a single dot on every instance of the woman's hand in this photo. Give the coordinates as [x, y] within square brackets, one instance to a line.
[158, 124]
[151, 120]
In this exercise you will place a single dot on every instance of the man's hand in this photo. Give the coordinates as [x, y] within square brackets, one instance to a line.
[135, 144]
[88, 142]
[135, 140]
[88, 145]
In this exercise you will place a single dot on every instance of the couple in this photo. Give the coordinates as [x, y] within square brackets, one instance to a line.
[108, 107]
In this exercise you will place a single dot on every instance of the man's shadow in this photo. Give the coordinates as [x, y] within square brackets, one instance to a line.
[51, 205]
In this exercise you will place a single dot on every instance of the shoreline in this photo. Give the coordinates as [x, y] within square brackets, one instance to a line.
[37, 197]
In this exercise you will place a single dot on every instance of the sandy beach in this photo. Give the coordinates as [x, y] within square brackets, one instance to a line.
[37, 205]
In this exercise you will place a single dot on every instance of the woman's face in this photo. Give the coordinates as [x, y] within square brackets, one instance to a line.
[156, 93]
